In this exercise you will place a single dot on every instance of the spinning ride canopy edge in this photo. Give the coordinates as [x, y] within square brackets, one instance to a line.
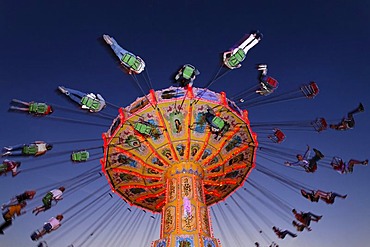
[166, 132]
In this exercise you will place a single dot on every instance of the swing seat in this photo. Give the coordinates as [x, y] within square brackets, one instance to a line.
[278, 136]
[310, 90]
[320, 124]
[143, 128]
[272, 82]
[80, 156]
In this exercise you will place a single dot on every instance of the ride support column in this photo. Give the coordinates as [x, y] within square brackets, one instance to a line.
[185, 216]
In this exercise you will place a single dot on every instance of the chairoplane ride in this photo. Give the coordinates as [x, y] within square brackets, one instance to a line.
[131, 62]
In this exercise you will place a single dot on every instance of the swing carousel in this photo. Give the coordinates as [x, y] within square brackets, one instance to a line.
[162, 155]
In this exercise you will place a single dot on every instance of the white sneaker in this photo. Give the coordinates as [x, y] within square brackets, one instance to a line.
[7, 153]
[108, 39]
[63, 90]
[262, 66]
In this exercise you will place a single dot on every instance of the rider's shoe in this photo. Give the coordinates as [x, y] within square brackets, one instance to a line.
[108, 39]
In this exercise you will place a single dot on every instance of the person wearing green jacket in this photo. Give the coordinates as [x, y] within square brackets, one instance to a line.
[33, 108]
[91, 102]
[32, 149]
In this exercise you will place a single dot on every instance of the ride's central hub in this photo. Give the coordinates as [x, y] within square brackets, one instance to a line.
[186, 168]
[185, 216]
[177, 151]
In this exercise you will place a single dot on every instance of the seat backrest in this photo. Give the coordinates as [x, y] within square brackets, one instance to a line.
[188, 72]
[218, 122]
[74, 156]
[236, 58]
[41, 108]
[271, 81]
[142, 128]
[84, 155]
[32, 107]
[280, 135]
[90, 103]
[314, 88]
[240, 55]
[130, 60]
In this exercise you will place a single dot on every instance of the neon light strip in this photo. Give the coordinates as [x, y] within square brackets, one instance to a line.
[165, 132]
